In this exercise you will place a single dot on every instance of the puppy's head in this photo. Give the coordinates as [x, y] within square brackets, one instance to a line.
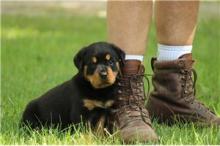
[100, 63]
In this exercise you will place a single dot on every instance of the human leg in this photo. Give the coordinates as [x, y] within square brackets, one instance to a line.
[173, 97]
[128, 24]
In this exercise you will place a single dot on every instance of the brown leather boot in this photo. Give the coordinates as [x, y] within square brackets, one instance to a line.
[132, 118]
[173, 97]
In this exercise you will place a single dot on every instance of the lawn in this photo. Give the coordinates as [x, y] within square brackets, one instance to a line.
[37, 54]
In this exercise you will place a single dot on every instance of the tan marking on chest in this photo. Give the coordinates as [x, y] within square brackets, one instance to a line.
[91, 104]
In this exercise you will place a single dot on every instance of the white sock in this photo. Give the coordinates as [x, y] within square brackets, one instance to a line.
[166, 53]
[134, 57]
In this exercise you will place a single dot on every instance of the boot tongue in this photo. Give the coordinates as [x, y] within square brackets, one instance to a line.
[186, 56]
[131, 67]
[188, 60]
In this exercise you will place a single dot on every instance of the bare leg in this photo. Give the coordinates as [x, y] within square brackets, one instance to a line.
[176, 22]
[173, 98]
[128, 23]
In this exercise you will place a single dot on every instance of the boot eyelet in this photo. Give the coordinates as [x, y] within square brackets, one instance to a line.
[186, 100]
[182, 71]
[181, 63]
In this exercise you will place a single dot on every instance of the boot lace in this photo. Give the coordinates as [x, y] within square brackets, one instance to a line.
[188, 84]
[189, 91]
[132, 97]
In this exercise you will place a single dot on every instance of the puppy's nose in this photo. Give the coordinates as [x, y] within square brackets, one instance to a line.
[103, 74]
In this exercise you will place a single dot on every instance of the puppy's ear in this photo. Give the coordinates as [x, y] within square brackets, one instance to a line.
[120, 53]
[78, 59]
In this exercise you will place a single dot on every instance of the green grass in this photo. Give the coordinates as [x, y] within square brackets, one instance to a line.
[37, 54]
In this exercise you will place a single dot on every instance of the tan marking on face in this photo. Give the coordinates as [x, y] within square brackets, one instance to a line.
[94, 79]
[91, 104]
[94, 59]
[97, 82]
[111, 76]
[108, 57]
[119, 69]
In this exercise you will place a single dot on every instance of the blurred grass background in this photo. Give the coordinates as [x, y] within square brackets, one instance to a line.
[38, 42]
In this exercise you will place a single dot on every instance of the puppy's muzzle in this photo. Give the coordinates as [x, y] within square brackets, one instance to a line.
[103, 76]
[103, 73]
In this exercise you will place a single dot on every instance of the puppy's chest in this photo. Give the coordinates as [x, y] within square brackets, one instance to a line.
[98, 112]
[93, 103]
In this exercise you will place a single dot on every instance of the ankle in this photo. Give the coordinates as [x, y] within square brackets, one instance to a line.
[169, 53]
[131, 67]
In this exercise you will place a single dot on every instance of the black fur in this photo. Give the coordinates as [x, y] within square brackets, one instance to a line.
[63, 105]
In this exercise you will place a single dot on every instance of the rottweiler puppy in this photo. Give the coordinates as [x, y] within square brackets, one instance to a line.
[87, 97]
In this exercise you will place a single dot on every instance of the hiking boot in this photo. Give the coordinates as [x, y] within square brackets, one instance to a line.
[173, 98]
[131, 117]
